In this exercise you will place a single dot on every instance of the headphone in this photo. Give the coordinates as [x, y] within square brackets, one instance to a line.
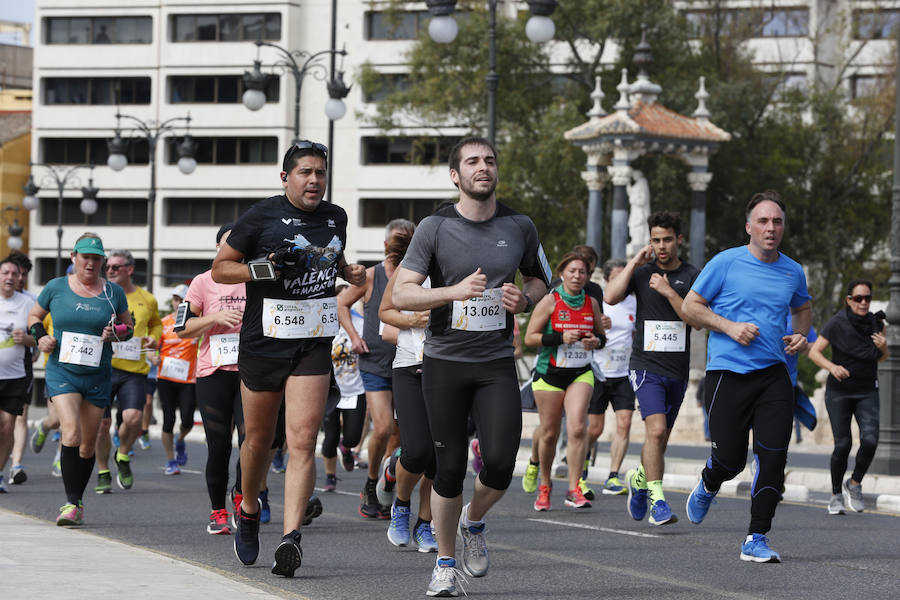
[284, 177]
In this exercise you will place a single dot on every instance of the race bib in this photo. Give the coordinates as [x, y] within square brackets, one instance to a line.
[484, 313]
[223, 349]
[80, 349]
[347, 403]
[614, 359]
[293, 319]
[130, 350]
[571, 356]
[664, 336]
[175, 368]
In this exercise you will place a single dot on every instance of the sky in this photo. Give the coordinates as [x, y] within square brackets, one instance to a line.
[19, 11]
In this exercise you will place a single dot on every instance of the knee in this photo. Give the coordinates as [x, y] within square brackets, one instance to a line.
[577, 431]
[842, 446]
[132, 418]
[595, 428]
[623, 424]
[549, 435]
[868, 440]
[498, 474]
[6, 427]
[656, 432]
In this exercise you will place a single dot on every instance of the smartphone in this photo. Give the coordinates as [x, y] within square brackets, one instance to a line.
[261, 270]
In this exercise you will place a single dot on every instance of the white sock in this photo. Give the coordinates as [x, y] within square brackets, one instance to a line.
[465, 518]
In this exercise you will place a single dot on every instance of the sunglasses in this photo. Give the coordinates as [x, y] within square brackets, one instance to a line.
[115, 268]
[861, 298]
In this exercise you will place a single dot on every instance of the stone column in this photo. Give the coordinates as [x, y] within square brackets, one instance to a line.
[618, 233]
[596, 178]
[699, 181]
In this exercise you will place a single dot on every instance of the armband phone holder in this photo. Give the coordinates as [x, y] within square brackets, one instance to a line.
[261, 270]
[181, 315]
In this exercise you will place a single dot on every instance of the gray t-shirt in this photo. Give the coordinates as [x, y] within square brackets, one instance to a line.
[448, 248]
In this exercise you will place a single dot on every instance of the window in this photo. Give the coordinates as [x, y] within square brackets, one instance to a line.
[378, 212]
[45, 269]
[205, 211]
[407, 150]
[182, 270]
[866, 86]
[404, 25]
[780, 22]
[96, 90]
[76, 151]
[387, 84]
[98, 30]
[216, 89]
[790, 83]
[875, 24]
[247, 27]
[228, 150]
[110, 211]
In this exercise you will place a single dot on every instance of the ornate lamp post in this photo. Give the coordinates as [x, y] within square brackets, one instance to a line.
[14, 241]
[151, 130]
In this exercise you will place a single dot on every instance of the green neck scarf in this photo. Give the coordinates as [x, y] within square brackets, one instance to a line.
[575, 301]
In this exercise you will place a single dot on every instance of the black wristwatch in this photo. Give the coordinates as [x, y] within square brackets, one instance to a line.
[529, 303]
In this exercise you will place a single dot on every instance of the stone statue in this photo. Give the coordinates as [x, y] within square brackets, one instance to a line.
[639, 200]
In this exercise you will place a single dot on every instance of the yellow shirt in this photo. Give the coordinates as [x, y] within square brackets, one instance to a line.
[145, 313]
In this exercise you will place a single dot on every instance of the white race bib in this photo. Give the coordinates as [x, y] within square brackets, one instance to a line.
[572, 356]
[175, 368]
[130, 350]
[664, 336]
[614, 359]
[484, 313]
[347, 403]
[80, 349]
[293, 319]
[223, 349]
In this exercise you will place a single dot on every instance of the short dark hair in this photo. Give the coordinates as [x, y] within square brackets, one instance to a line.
[21, 259]
[295, 153]
[613, 263]
[665, 219]
[588, 252]
[10, 261]
[857, 282]
[768, 195]
[466, 141]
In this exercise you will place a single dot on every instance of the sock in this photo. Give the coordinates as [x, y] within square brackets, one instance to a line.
[468, 523]
[71, 473]
[421, 521]
[87, 467]
[122, 457]
[656, 491]
[613, 475]
[399, 502]
[584, 471]
[446, 561]
[640, 480]
[531, 462]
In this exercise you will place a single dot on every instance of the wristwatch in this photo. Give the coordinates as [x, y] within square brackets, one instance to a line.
[529, 303]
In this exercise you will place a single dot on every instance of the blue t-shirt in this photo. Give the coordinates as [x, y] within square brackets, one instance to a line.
[741, 288]
[77, 314]
[791, 359]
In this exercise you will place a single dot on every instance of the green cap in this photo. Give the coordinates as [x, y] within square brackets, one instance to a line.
[89, 246]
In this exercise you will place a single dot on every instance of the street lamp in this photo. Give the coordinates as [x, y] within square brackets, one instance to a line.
[443, 29]
[64, 179]
[151, 130]
[14, 241]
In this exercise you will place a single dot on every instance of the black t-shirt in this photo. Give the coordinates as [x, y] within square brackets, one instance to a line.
[653, 306]
[852, 347]
[269, 224]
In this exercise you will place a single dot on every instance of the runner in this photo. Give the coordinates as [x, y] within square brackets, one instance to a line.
[471, 251]
[88, 313]
[295, 245]
[567, 328]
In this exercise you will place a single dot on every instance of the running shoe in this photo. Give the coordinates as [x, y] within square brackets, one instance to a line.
[836, 505]
[124, 477]
[104, 483]
[180, 452]
[2, 487]
[246, 537]
[446, 580]
[236, 499]
[585, 490]
[115, 438]
[661, 514]
[330, 482]
[288, 555]
[542, 503]
[424, 537]
[56, 468]
[218, 523]
[265, 513]
[853, 497]
[398, 530]
[637, 497]
[576, 499]
[56, 435]
[278, 465]
[613, 487]
[70, 514]
[530, 479]
[172, 468]
[17, 475]
[38, 437]
[360, 464]
[474, 547]
[313, 510]
[698, 502]
[348, 461]
[756, 548]
[144, 441]
[369, 506]
[385, 490]
[477, 463]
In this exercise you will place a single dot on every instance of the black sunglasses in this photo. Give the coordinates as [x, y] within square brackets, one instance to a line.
[861, 298]
[115, 268]
[303, 145]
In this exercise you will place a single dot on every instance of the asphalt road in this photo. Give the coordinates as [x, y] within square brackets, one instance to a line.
[595, 553]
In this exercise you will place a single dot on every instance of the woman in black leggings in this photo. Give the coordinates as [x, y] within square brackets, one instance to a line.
[858, 344]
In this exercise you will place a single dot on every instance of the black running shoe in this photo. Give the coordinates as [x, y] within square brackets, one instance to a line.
[313, 510]
[288, 555]
[246, 538]
[369, 506]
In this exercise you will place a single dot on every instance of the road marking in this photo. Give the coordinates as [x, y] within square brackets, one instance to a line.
[595, 528]
[341, 492]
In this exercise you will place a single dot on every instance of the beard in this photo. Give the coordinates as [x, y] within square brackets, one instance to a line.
[479, 195]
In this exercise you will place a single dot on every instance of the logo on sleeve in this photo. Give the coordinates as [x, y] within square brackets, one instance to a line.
[502, 244]
[331, 223]
[294, 222]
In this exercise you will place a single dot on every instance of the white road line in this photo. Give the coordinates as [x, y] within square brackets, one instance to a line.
[594, 528]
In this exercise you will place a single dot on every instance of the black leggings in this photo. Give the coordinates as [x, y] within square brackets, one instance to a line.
[417, 448]
[353, 421]
[180, 396]
[490, 392]
[763, 401]
[842, 407]
[219, 400]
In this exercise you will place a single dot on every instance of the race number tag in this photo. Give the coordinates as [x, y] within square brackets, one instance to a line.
[614, 359]
[664, 336]
[175, 368]
[80, 349]
[130, 350]
[293, 319]
[484, 313]
[347, 403]
[223, 349]
[571, 356]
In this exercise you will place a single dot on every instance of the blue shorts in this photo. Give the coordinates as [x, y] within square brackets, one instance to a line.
[375, 383]
[658, 394]
[129, 389]
[96, 388]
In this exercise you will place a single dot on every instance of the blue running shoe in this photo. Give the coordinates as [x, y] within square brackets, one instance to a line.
[398, 530]
[278, 465]
[661, 514]
[637, 498]
[246, 537]
[172, 468]
[180, 452]
[756, 549]
[265, 513]
[116, 441]
[425, 538]
[698, 503]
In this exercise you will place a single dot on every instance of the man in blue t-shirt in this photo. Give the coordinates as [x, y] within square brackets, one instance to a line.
[741, 296]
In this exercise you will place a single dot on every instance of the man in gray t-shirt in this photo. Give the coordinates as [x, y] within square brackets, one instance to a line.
[471, 251]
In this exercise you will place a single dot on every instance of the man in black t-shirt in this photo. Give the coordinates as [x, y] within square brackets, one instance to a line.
[285, 345]
[660, 358]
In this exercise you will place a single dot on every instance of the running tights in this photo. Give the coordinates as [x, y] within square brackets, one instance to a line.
[842, 407]
[180, 396]
[417, 449]
[76, 472]
[353, 420]
[219, 400]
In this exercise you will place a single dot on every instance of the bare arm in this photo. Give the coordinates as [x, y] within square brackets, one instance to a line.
[660, 283]
[534, 288]
[197, 326]
[700, 315]
[390, 316]
[616, 288]
[347, 298]
[390, 334]
[538, 322]
[816, 355]
[409, 294]
[228, 266]
[801, 322]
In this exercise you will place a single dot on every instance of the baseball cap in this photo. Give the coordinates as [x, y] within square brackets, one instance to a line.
[89, 245]
[180, 291]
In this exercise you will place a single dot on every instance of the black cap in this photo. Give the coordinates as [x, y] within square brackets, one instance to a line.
[223, 230]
